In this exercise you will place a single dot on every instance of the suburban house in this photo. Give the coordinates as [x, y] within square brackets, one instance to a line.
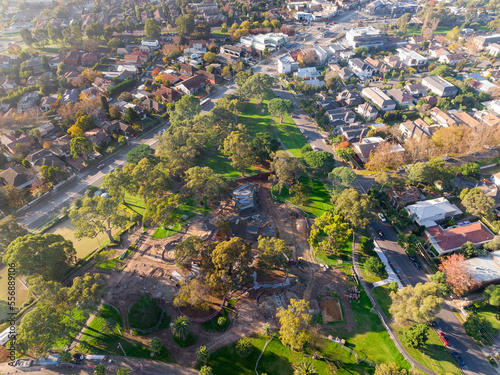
[495, 178]
[451, 59]
[354, 132]
[89, 59]
[402, 197]
[440, 86]
[417, 90]
[153, 44]
[493, 49]
[409, 129]
[11, 143]
[433, 211]
[465, 119]
[362, 69]
[154, 106]
[61, 146]
[234, 51]
[97, 137]
[443, 119]
[44, 157]
[28, 100]
[213, 78]
[411, 58]
[307, 73]
[192, 85]
[378, 66]
[340, 116]
[451, 239]
[349, 98]
[47, 102]
[71, 59]
[17, 176]
[70, 96]
[402, 97]
[379, 98]
[366, 146]
[35, 64]
[167, 94]
[367, 111]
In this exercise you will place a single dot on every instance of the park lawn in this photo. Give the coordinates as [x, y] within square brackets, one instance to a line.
[278, 360]
[488, 312]
[220, 33]
[320, 199]
[135, 203]
[369, 277]
[256, 118]
[110, 264]
[369, 339]
[434, 356]
[345, 255]
[290, 135]
[96, 341]
[222, 165]
[74, 327]
[83, 246]
[22, 294]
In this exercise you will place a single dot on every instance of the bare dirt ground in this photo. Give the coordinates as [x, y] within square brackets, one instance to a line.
[331, 310]
[151, 271]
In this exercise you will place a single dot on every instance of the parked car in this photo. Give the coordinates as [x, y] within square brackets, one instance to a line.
[327, 141]
[315, 148]
[417, 265]
[412, 257]
[444, 339]
[382, 217]
[458, 358]
[100, 166]
[381, 234]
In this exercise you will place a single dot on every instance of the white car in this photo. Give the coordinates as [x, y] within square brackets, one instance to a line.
[315, 148]
[382, 217]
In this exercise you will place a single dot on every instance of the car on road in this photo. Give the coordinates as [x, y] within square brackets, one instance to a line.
[444, 339]
[315, 148]
[458, 358]
[302, 131]
[412, 257]
[327, 141]
[382, 217]
[381, 234]
[100, 166]
[417, 265]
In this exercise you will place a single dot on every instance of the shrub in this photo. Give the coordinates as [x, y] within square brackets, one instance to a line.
[374, 266]
[130, 82]
[144, 313]
[244, 347]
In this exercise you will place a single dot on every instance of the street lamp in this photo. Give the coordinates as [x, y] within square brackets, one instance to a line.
[121, 347]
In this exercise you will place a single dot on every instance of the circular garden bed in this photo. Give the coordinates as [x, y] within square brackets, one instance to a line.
[145, 313]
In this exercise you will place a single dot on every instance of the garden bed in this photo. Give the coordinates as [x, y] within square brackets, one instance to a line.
[331, 311]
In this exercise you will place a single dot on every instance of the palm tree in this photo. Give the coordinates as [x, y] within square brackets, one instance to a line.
[100, 369]
[206, 370]
[123, 371]
[305, 368]
[181, 327]
[203, 354]
[156, 345]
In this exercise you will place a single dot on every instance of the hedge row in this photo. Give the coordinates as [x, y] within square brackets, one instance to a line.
[119, 88]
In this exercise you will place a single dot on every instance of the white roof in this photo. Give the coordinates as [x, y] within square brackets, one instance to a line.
[425, 211]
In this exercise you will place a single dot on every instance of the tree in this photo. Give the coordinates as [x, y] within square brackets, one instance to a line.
[185, 108]
[48, 255]
[479, 329]
[374, 266]
[476, 202]
[285, 169]
[361, 51]
[138, 153]
[492, 295]
[109, 325]
[104, 103]
[210, 57]
[94, 30]
[146, 179]
[123, 371]
[402, 23]
[278, 107]
[156, 345]
[469, 250]
[264, 145]
[417, 335]
[256, 86]
[344, 175]
[239, 150]
[185, 24]
[470, 169]
[152, 29]
[96, 215]
[304, 368]
[319, 162]
[162, 211]
[180, 328]
[114, 43]
[274, 253]
[130, 116]
[193, 293]
[243, 347]
[203, 354]
[27, 37]
[80, 146]
[185, 251]
[205, 370]
[14, 196]
[203, 182]
[228, 266]
[442, 70]
[457, 273]
[65, 357]
[299, 194]
[100, 369]
[329, 233]
[354, 207]
[10, 229]
[295, 323]
[116, 183]
[416, 304]
[392, 369]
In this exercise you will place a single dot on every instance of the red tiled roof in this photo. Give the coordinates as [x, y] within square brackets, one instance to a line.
[454, 238]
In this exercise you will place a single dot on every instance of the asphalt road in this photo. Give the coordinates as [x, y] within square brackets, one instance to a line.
[448, 322]
[40, 212]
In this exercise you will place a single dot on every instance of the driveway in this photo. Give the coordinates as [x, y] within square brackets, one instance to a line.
[448, 322]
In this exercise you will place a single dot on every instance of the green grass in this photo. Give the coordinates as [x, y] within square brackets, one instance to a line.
[145, 313]
[320, 199]
[434, 356]
[220, 33]
[290, 135]
[257, 119]
[110, 264]
[222, 165]
[362, 258]
[95, 340]
[279, 360]
[369, 339]
[162, 233]
[135, 203]
[213, 325]
[488, 312]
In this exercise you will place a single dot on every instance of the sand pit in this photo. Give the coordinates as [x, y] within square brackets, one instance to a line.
[331, 310]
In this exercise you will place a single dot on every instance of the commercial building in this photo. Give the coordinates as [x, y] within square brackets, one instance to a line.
[365, 37]
[260, 42]
[287, 64]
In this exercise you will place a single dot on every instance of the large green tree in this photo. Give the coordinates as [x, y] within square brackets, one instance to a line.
[152, 29]
[185, 108]
[239, 149]
[185, 24]
[285, 169]
[274, 253]
[278, 107]
[116, 182]
[330, 233]
[48, 255]
[162, 211]
[96, 215]
[203, 182]
[187, 250]
[476, 202]
[354, 207]
[343, 175]
[80, 146]
[138, 153]
[257, 86]
[146, 179]
[10, 229]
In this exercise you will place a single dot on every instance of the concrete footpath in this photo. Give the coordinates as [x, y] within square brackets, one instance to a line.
[390, 272]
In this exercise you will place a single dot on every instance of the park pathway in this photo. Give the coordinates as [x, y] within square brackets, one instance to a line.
[368, 288]
[283, 147]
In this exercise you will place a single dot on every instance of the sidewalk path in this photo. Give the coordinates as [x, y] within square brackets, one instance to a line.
[279, 139]
[368, 289]
[390, 272]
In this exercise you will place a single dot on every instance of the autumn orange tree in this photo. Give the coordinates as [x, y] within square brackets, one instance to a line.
[458, 275]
